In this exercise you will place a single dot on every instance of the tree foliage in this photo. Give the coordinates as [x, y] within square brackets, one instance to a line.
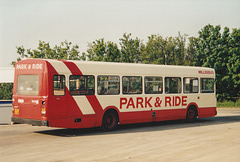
[221, 51]
[130, 49]
[99, 50]
[191, 56]
[211, 48]
[6, 91]
[66, 51]
[154, 50]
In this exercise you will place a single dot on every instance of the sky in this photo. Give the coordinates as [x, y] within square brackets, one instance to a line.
[25, 22]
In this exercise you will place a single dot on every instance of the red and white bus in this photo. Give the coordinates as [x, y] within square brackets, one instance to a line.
[84, 94]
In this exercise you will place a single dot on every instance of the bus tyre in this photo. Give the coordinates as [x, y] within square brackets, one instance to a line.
[191, 115]
[110, 120]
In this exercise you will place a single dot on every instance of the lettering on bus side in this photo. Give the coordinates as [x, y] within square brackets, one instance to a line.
[205, 72]
[175, 101]
[150, 102]
[29, 66]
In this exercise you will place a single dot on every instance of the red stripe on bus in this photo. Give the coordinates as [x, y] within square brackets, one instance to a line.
[91, 99]
[51, 68]
[72, 67]
[75, 110]
[95, 104]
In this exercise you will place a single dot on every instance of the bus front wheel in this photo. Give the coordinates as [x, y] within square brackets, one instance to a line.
[110, 120]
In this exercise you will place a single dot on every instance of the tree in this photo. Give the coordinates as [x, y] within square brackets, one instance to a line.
[65, 51]
[154, 50]
[169, 51]
[99, 50]
[221, 52]
[180, 50]
[192, 51]
[234, 62]
[113, 54]
[96, 50]
[130, 49]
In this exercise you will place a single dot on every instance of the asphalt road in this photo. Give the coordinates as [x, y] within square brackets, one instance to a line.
[209, 139]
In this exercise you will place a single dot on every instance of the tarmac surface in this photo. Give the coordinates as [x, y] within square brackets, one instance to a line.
[209, 139]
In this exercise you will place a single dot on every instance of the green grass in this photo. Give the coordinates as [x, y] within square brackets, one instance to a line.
[229, 104]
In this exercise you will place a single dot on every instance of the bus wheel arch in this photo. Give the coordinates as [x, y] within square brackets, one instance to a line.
[192, 113]
[110, 119]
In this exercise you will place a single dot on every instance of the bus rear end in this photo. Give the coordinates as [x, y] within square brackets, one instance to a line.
[29, 96]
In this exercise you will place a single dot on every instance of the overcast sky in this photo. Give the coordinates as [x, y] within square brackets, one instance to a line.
[25, 22]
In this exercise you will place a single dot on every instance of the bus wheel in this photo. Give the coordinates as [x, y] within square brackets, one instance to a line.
[110, 120]
[191, 115]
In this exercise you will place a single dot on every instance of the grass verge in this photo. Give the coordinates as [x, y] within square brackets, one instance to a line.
[229, 104]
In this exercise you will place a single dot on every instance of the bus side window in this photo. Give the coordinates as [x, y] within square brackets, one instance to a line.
[190, 85]
[108, 85]
[153, 85]
[59, 85]
[207, 85]
[173, 85]
[132, 85]
[82, 84]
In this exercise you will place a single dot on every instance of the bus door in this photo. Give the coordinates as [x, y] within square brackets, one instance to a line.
[58, 105]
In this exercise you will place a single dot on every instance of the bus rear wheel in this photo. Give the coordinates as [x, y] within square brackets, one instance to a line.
[110, 120]
[191, 115]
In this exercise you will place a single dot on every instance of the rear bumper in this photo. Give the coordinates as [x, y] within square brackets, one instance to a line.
[30, 121]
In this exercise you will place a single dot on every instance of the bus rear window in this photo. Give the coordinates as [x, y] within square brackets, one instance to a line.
[28, 85]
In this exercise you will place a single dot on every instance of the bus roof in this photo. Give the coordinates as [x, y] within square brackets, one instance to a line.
[112, 68]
